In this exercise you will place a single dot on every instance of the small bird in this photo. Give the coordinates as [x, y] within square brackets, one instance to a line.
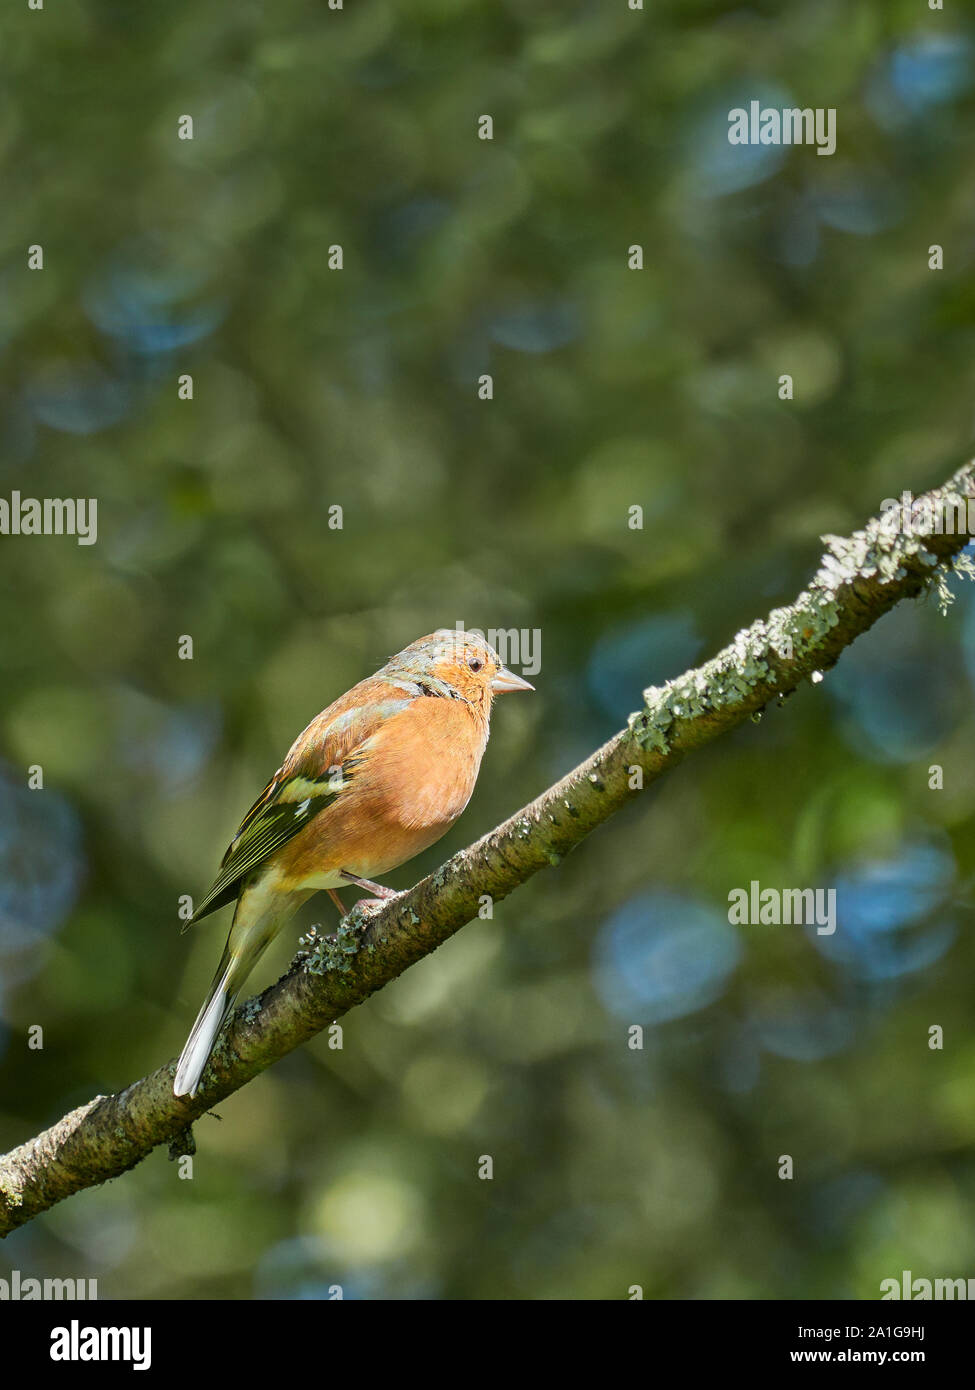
[374, 779]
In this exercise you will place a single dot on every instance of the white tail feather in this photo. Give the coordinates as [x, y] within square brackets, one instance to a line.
[200, 1042]
[261, 910]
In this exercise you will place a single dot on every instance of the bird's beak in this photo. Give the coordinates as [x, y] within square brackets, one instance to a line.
[506, 680]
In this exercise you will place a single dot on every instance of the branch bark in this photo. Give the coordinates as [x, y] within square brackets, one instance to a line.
[861, 578]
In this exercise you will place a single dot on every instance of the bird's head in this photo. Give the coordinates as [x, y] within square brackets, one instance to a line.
[458, 661]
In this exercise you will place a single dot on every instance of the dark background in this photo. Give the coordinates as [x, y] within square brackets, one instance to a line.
[315, 387]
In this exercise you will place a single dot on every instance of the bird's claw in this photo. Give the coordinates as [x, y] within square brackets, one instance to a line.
[368, 907]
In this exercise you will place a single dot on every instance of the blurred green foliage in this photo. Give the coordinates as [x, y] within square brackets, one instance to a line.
[315, 387]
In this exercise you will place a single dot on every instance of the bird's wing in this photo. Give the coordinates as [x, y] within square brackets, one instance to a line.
[320, 767]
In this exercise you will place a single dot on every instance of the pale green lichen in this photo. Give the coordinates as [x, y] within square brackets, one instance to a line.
[879, 553]
[649, 726]
[959, 564]
[12, 1196]
[335, 952]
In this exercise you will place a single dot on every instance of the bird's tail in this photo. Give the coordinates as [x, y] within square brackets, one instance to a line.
[256, 922]
[216, 1008]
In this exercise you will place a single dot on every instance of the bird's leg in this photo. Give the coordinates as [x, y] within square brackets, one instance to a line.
[382, 894]
[368, 902]
[376, 888]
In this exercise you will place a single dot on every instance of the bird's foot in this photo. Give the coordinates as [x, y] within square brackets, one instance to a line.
[368, 906]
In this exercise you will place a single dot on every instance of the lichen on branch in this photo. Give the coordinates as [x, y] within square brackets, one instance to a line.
[860, 578]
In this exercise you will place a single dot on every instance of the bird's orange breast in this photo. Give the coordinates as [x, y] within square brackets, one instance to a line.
[408, 786]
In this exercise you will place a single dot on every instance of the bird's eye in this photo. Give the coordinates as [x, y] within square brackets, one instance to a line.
[475, 663]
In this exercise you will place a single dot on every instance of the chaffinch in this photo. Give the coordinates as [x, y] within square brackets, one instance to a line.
[374, 779]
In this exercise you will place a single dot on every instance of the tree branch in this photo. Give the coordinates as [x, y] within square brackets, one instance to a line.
[861, 578]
